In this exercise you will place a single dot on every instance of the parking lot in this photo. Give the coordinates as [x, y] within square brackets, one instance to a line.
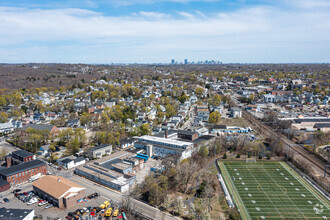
[54, 212]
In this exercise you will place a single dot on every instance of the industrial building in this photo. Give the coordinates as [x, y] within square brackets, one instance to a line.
[172, 142]
[116, 170]
[157, 146]
[60, 192]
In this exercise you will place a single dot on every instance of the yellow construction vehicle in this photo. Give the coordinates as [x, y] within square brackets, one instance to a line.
[116, 212]
[105, 205]
[108, 212]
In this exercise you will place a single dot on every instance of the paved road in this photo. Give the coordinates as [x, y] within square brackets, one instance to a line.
[191, 114]
[114, 196]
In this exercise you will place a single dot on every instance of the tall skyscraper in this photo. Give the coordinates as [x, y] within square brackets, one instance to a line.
[185, 61]
[173, 61]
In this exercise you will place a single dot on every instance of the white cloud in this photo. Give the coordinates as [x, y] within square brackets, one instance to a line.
[256, 34]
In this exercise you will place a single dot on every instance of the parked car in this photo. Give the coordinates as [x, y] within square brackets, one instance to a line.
[48, 206]
[17, 190]
[6, 200]
[42, 202]
[32, 201]
[91, 196]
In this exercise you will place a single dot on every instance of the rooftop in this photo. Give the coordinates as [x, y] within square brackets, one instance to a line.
[22, 167]
[322, 125]
[57, 186]
[101, 146]
[38, 127]
[14, 214]
[23, 153]
[113, 156]
[106, 171]
[168, 141]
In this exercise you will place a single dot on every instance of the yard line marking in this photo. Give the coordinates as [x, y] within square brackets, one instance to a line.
[311, 190]
[266, 194]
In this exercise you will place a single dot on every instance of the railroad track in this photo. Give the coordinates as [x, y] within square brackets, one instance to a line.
[266, 129]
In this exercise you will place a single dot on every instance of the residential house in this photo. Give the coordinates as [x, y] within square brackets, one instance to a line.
[71, 162]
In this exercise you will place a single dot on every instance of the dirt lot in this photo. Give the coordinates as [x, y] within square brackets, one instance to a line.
[146, 169]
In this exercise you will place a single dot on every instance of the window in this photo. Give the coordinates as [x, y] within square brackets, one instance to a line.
[19, 174]
[9, 178]
[16, 175]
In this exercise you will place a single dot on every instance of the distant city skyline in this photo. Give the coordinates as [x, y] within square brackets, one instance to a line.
[157, 31]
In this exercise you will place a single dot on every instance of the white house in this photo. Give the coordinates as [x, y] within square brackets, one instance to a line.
[69, 163]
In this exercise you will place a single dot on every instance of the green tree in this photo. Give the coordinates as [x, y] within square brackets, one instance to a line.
[183, 97]
[214, 117]
[3, 117]
[85, 118]
[145, 129]
[3, 101]
[170, 110]
[216, 100]
[203, 151]
[199, 91]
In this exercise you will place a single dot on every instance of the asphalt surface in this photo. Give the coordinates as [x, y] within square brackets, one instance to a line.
[117, 197]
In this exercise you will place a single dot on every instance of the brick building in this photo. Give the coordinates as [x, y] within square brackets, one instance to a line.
[189, 135]
[4, 185]
[18, 157]
[23, 172]
[59, 191]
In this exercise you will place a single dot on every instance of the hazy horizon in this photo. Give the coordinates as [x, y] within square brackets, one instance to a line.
[156, 31]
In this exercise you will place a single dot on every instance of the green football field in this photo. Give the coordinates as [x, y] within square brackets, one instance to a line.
[272, 190]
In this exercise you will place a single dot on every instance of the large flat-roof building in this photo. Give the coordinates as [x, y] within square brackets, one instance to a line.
[16, 214]
[59, 191]
[116, 170]
[158, 146]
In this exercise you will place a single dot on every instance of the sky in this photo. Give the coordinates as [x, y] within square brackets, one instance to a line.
[156, 31]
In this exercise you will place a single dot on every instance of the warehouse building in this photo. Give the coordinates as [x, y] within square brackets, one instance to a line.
[60, 192]
[116, 170]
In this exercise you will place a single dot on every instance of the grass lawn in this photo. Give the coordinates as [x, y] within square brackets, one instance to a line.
[272, 190]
